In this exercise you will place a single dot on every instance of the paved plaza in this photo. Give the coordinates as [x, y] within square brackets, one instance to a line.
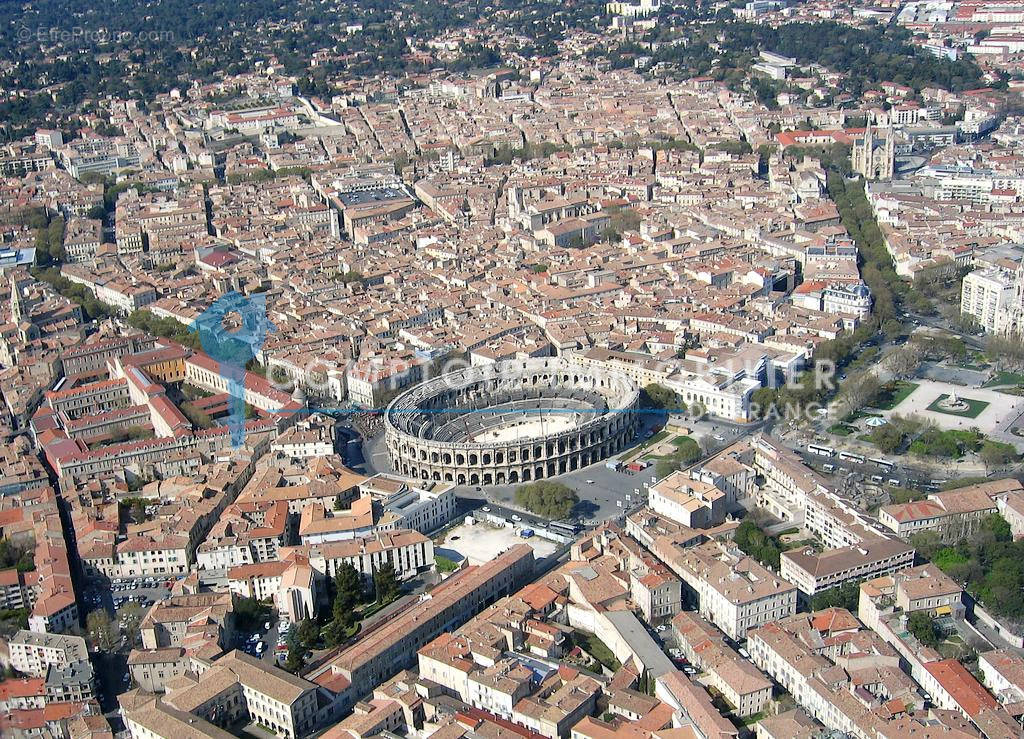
[482, 542]
[996, 419]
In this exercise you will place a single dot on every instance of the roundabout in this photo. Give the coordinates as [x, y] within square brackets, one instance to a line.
[511, 422]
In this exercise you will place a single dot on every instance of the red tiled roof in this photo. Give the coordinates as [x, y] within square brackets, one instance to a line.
[964, 688]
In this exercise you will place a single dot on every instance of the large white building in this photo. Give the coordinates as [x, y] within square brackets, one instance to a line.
[988, 296]
[31, 652]
[422, 506]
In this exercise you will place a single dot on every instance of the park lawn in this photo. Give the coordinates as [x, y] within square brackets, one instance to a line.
[841, 429]
[974, 407]
[890, 398]
[676, 442]
[1005, 378]
[859, 414]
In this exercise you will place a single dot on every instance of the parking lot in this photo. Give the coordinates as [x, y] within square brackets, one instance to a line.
[267, 642]
[144, 591]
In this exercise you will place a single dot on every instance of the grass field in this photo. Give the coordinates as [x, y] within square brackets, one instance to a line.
[974, 407]
[893, 394]
[1005, 378]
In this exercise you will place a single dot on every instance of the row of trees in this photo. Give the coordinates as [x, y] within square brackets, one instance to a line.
[86, 298]
[167, 328]
[805, 390]
[926, 440]
[50, 242]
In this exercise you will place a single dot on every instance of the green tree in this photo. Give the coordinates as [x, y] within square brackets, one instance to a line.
[18, 556]
[295, 660]
[687, 452]
[845, 596]
[996, 454]
[131, 618]
[444, 564]
[996, 528]
[250, 613]
[547, 498]
[307, 632]
[348, 593]
[385, 583]
[753, 541]
[658, 396]
[101, 630]
[922, 626]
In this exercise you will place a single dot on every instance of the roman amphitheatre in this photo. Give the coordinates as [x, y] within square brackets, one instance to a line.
[511, 422]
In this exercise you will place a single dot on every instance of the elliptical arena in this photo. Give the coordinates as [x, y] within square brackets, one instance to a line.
[511, 422]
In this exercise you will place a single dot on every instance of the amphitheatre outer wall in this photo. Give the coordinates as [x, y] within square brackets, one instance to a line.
[438, 429]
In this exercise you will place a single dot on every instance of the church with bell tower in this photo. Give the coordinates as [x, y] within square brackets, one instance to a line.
[874, 155]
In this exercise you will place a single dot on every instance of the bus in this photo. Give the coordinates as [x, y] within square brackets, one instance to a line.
[560, 527]
[823, 451]
[885, 464]
[851, 457]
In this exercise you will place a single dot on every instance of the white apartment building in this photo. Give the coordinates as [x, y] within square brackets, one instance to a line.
[987, 296]
[787, 481]
[847, 299]
[145, 556]
[82, 239]
[496, 689]
[408, 552]
[422, 506]
[221, 555]
[305, 440]
[1003, 673]
[374, 380]
[233, 686]
[32, 653]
